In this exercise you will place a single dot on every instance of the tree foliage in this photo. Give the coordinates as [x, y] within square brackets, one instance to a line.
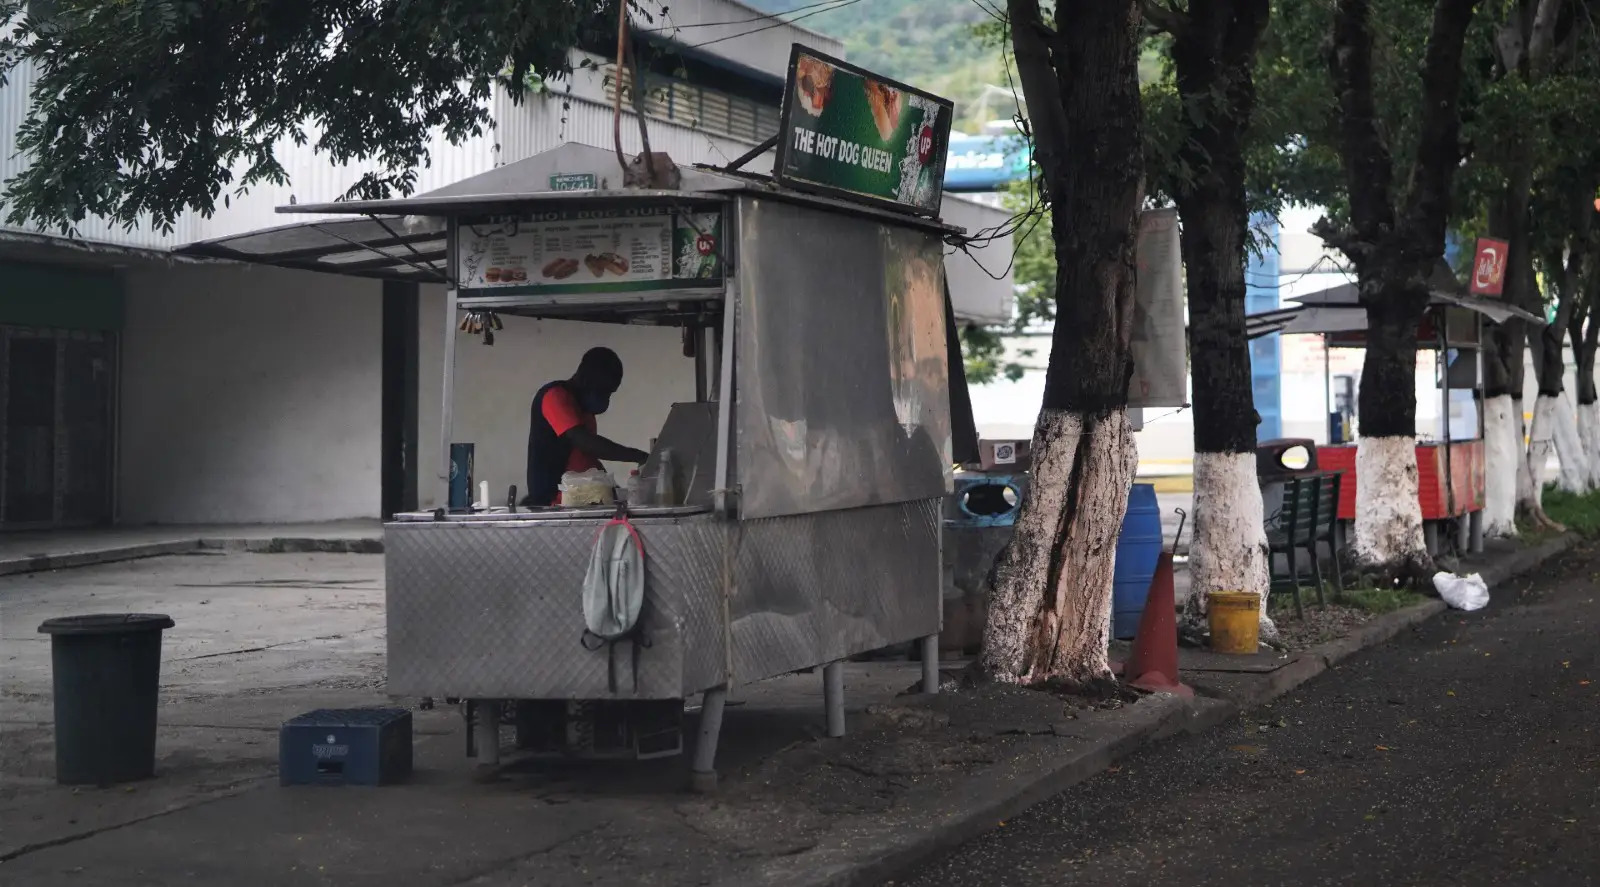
[142, 109]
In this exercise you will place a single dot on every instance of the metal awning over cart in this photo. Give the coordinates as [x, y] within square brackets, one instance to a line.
[405, 238]
[1338, 310]
[1451, 471]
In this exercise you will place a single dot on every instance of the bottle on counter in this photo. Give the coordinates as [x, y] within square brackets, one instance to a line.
[666, 490]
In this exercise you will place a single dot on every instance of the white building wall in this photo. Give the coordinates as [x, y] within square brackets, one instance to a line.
[495, 385]
[249, 395]
[541, 123]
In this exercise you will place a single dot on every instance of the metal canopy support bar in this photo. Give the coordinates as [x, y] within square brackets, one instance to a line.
[377, 251]
[361, 247]
[447, 401]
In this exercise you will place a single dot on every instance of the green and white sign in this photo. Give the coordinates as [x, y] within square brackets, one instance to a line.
[851, 132]
[572, 181]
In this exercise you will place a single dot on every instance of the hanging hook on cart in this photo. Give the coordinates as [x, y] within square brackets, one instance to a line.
[1183, 518]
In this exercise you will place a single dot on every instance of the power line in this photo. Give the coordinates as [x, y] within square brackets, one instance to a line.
[767, 17]
[778, 24]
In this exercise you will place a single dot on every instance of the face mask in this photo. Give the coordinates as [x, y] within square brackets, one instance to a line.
[594, 402]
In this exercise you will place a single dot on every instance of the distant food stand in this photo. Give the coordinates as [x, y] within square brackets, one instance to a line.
[809, 473]
[1450, 467]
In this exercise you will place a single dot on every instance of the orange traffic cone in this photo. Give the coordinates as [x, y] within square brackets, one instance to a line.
[1154, 663]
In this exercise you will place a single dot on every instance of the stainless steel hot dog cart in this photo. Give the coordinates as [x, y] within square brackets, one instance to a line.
[810, 468]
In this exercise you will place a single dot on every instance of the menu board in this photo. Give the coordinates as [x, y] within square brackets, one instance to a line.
[589, 251]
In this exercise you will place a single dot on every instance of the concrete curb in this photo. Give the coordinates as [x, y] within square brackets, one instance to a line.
[44, 563]
[888, 848]
[884, 851]
[41, 563]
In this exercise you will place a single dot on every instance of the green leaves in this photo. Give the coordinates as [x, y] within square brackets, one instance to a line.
[141, 109]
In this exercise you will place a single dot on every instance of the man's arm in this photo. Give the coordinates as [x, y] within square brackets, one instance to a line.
[602, 448]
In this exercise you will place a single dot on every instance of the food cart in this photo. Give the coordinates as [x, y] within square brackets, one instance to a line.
[807, 477]
[1450, 464]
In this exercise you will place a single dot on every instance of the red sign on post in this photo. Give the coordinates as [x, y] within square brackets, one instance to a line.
[1489, 267]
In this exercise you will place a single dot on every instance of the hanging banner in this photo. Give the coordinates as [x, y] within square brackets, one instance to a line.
[1489, 267]
[1158, 344]
[850, 132]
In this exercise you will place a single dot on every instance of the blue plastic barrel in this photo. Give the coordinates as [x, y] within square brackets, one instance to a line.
[1138, 550]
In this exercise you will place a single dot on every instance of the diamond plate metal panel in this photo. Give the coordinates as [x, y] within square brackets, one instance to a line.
[814, 588]
[493, 611]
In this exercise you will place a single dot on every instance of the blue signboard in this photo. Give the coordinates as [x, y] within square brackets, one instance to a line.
[985, 163]
[1261, 294]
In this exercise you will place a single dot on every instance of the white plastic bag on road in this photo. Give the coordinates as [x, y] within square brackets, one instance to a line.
[1462, 592]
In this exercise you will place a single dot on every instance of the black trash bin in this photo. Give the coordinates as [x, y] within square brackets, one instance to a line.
[106, 670]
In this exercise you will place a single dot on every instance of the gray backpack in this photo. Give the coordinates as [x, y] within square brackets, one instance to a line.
[613, 595]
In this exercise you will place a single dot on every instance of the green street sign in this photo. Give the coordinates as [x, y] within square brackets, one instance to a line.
[576, 181]
[854, 134]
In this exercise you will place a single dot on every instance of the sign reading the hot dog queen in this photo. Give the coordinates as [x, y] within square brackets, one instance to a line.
[589, 251]
[848, 131]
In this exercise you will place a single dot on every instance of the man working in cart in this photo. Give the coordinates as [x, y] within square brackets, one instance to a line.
[561, 426]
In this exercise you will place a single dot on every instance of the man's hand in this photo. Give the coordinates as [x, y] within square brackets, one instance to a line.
[602, 448]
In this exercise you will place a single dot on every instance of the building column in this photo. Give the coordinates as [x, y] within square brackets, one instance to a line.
[400, 357]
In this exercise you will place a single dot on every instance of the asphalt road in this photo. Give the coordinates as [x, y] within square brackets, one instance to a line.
[1465, 752]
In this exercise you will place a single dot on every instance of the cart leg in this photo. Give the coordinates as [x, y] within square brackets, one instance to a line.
[833, 697]
[1475, 530]
[930, 664]
[703, 777]
[486, 734]
[1294, 576]
[1430, 536]
[1316, 572]
[1463, 533]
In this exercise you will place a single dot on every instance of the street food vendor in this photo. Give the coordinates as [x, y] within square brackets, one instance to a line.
[562, 433]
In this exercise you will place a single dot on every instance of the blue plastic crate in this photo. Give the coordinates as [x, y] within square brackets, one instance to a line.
[349, 746]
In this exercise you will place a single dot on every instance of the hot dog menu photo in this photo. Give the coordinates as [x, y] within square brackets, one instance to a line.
[569, 252]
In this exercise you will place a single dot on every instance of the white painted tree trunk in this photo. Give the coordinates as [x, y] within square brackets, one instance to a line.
[1502, 451]
[1574, 458]
[1050, 607]
[1388, 531]
[1542, 443]
[1589, 437]
[1229, 548]
[1528, 469]
[1539, 443]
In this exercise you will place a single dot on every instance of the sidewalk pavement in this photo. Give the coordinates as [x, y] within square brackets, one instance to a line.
[915, 776]
[37, 551]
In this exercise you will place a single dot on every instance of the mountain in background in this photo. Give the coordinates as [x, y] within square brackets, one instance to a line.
[928, 44]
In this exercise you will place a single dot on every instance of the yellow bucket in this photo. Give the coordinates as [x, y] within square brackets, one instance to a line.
[1235, 621]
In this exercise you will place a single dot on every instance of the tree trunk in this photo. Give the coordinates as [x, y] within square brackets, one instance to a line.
[1388, 527]
[1524, 40]
[1585, 336]
[1506, 467]
[1213, 51]
[1229, 548]
[1554, 404]
[1050, 605]
[1502, 451]
[1394, 239]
